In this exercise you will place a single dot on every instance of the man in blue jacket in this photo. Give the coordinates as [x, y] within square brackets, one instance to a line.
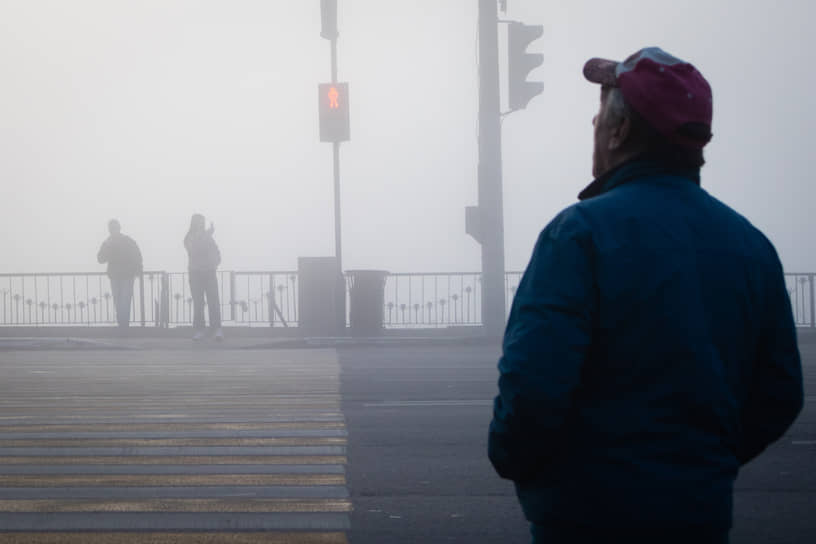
[651, 350]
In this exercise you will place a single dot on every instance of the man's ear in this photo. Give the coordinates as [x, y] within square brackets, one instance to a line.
[620, 134]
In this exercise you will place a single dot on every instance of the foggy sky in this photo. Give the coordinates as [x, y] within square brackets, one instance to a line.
[150, 111]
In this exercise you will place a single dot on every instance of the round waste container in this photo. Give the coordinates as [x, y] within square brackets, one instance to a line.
[366, 301]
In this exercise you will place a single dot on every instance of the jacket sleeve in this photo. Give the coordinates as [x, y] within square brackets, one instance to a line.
[102, 255]
[775, 391]
[545, 345]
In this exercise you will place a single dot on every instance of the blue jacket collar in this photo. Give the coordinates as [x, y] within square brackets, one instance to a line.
[637, 168]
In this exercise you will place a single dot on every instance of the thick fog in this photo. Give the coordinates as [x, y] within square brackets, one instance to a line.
[150, 111]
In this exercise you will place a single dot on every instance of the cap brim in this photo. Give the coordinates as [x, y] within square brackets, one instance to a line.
[601, 71]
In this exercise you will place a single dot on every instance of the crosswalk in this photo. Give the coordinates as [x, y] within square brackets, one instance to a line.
[233, 446]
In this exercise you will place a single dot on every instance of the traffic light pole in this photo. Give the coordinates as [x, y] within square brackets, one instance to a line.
[340, 304]
[491, 204]
[338, 249]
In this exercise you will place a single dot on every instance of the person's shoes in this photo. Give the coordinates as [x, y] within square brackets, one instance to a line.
[198, 336]
[219, 334]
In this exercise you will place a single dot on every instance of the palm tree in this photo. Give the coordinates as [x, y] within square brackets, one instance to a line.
[429, 306]
[29, 303]
[442, 303]
[416, 313]
[244, 307]
[402, 309]
[68, 307]
[43, 307]
[55, 307]
[390, 306]
[177, 296]
[81, 306]
[455, 298]
[94, 302]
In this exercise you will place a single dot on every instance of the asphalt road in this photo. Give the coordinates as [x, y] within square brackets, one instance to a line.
[418, 471]
[181, 444]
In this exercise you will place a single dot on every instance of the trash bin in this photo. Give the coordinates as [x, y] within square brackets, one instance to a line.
[366, 301]
[321, 297]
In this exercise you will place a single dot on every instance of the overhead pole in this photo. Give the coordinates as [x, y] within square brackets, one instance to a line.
[328, 14]
[491, 204]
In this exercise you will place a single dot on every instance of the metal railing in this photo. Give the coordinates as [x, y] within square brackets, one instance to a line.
[270, 298]
[246, 298]
[75, 299]
[803, 302]
[423, 300]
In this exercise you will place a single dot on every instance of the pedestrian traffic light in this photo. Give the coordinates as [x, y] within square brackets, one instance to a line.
[520, 63]
[328, 19]
[334, 112]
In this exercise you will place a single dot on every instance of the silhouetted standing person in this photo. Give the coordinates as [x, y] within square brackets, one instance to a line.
[124, 264]
[204, 258]
[650, 351]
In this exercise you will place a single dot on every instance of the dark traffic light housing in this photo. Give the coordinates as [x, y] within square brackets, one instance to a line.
[334, 112]
[328, 19]
[520, 63]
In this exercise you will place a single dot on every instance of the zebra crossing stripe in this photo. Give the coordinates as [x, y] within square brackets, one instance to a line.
[175, 460]
[244, 467]
[177, 505]
[174, 538]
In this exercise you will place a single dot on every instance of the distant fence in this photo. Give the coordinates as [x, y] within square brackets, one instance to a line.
[422, 300]
[803, 298]
[247, 298]
[73, 299]
[270, 298]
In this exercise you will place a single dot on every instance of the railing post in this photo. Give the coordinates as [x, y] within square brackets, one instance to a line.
[232, 296]
[270, 300]
[165, 300]
[142, 298]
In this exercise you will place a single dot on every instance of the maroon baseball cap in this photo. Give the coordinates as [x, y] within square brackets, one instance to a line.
[666, 91]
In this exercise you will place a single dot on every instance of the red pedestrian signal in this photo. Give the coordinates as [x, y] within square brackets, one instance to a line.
[333, 95]
[334, 112]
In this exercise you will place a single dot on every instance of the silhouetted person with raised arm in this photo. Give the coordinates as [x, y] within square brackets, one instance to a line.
[204, 258]
[124, 264]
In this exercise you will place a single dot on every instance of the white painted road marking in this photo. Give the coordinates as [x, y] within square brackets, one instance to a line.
[402, 403]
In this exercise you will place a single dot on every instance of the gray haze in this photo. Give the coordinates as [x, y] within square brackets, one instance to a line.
[149, 111]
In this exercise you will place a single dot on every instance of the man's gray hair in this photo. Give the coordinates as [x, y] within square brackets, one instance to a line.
[616, 107]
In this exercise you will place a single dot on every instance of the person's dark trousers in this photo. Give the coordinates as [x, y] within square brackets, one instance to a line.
[559, 534]
[122, 291]
[205, 283]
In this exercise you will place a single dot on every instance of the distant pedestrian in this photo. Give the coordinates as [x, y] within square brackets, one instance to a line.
[124, 264]
[203, 258]
[650, 350]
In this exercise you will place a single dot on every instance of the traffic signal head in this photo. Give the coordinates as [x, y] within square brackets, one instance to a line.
[328, 19]
[520, 64]
[334, 112]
